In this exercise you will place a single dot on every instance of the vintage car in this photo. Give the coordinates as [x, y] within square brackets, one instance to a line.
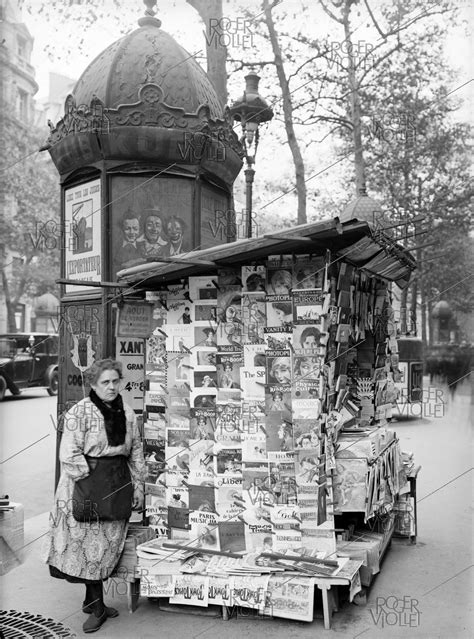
[28, 360]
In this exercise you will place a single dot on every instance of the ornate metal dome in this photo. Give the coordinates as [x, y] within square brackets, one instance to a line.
[145, 98]
[364, 209]
[148, 55]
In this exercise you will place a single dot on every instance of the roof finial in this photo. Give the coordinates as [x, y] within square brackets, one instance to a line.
[149, 17]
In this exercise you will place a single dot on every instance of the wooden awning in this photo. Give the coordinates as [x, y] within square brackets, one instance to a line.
[353, 241]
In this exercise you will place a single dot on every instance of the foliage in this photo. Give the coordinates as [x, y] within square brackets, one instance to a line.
[32, 201]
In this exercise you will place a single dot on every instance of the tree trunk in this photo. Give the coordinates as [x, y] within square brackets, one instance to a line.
[414, 294]
[288, 115]
[216, 53]
[359, 165]
[9, 303]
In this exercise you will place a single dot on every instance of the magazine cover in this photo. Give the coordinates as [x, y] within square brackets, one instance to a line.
[252, 381]
[307, 433]
[202, 498]
[278, 337]
[205, 312]
[278, 399]
[201, 462]
[308, 272]
[204, 530]
[204, 397]
[228, 369]
[203, 423]
[232, 536]
[249, 591]
[205, 337]
[309, 339]
[308, 307]
[278, 367]
[155, 348]
[290, 598]
[307, 466]
[192, 590]
[180, 312]
[279, 276]
[155, 428]
[306, 408]
[254, 447]
[180, 337]
[253, 318]
[279, 433]
[254, 355]
[229, 499]
[204, 379]
[253, 279]
[283, 481]
[203, 358]
[179, 370]
[259, 537]
[203, 288]
[228, 424]
[280, 312]
[253, 417]
[228, 461]
[286, 537]
[307, 367]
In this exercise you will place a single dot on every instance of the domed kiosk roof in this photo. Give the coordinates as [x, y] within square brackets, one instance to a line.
[147, 55]
[364, 209]
[144, 98]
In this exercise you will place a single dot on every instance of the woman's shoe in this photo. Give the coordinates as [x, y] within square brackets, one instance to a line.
[87, 608]
[93, 623]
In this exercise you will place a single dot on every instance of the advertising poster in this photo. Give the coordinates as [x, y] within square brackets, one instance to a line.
[131, 353]
[82, 215]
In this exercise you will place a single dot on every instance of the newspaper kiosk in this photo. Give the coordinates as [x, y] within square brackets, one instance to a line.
[268, 379]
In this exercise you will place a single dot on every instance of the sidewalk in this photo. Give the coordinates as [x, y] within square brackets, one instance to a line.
[29, 588]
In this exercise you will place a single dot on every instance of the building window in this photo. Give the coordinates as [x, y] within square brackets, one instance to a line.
[22, 104]
[20, 317]
[21, 47]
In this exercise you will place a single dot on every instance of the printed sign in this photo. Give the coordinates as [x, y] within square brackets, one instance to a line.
[82, 214]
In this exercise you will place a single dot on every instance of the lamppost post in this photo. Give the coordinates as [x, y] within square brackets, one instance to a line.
[249, 175]
[250, 110]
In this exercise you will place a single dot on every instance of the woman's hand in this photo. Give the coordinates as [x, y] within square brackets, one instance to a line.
[137, 503]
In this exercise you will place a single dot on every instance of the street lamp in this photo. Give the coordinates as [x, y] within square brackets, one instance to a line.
[250, 110]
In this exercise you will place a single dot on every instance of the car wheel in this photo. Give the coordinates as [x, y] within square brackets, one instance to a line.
[3, 388]
[53, 383]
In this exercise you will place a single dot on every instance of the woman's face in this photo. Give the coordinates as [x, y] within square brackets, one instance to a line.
[280, 286]
[282, 374]
[309, 368]
[309, 342]
[153, 228]
[107, 386]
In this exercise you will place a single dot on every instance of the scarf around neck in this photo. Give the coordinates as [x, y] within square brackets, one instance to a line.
[114, 418]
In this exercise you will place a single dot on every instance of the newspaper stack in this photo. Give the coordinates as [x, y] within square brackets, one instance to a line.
[161, 561]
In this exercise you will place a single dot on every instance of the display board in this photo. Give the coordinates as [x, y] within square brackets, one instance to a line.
[251, 374]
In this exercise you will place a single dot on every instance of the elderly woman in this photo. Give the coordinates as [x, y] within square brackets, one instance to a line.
[100, 443]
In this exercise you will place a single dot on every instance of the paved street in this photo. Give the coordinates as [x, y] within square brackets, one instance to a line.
[28, 443]
[434, 575]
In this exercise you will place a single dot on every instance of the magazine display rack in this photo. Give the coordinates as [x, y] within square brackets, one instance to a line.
[261, 370]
